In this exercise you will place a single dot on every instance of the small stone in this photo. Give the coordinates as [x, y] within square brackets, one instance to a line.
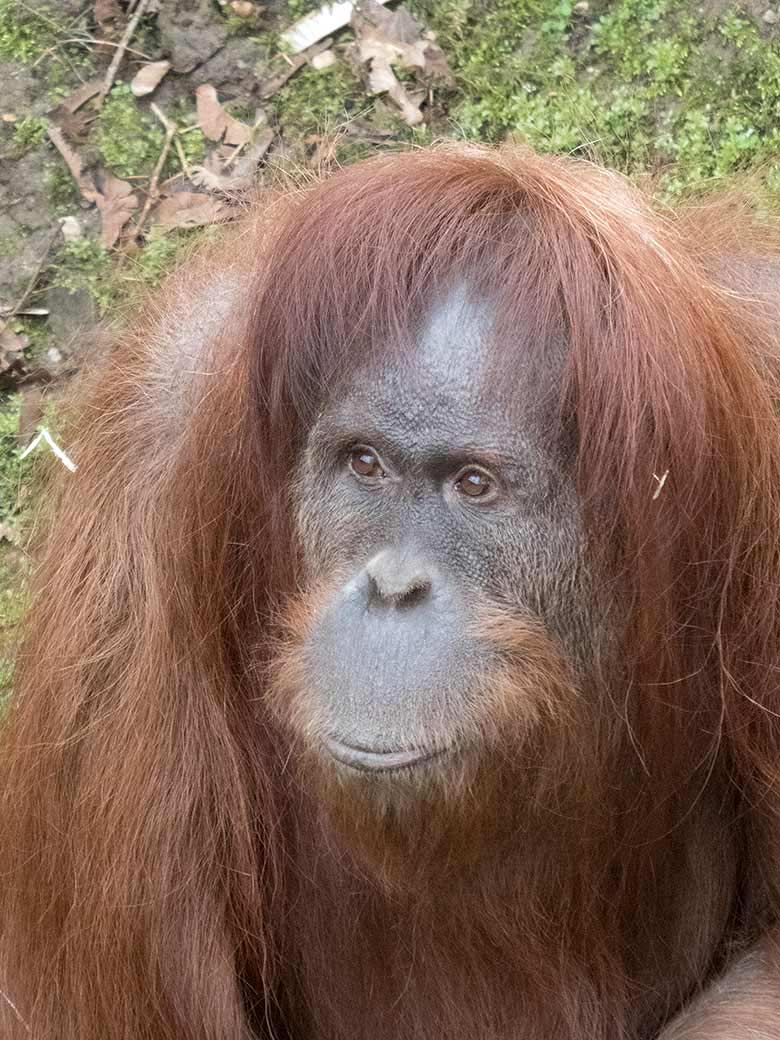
[243, 8]
[71, 229]
[54, 356]
[323, 60]
[9, 117]
[581, 8]
[770, 17]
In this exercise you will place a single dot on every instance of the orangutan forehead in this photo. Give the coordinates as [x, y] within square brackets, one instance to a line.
[461, 372]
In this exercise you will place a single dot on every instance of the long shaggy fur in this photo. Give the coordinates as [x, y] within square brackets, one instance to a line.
[166, 872]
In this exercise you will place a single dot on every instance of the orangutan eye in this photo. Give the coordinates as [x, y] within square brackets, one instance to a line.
[364, 462]
[475, 483]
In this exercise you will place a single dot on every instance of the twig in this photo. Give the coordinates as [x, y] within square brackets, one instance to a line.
[275, 83]
[28, 289]
[116, 61]
[41, 17]
[170, 134]
[182, 157]
[88, 41]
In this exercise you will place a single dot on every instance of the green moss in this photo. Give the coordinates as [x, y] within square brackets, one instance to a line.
[27, 30]
[640, 84]
[193, 145]
[6, 680]
[85, 264]
[18, 480]
[11, 465]
[159, 256]
[129, 139]
[298, 8]
[37, 333]
[28, 133]
[13, 602]
[61, 189]
[314, 100]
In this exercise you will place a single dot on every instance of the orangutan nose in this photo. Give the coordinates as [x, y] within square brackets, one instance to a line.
[395, 579]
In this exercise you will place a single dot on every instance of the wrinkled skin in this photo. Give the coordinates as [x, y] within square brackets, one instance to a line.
[393, 657]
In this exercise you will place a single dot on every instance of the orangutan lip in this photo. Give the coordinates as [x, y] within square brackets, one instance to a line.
[377, 761]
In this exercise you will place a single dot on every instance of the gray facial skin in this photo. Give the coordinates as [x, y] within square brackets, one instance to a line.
[394, 656]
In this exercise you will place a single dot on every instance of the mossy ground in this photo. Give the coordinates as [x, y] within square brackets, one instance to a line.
[690, 91]
[687, 92]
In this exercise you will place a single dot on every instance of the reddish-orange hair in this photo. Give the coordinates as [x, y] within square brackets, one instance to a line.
[145, 819]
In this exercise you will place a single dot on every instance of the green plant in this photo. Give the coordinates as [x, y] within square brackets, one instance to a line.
[27, 30]
[85, 264]
[129, 139]
[317, 100]
[28, 133]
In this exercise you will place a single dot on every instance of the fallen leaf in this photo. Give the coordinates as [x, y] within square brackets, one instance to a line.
[237, 133]
[385, 38]
[8, 533]
[382, 80]
[148, 77]
[85, 182]
[188, 209]
[12, 361]
[108, 15]
[215, 176]
[393, 36]
[117, 204]
[215, 122]
[397, 37]
[80, 97]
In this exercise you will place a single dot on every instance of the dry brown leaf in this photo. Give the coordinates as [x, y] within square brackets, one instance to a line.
[12, 345]
[392, 35]
[148, 77]
[386, 38]
[215, 176]
[86, 184]
[237, 133]
[108, 15]
[382, 80]
[188, 209]
[117, 204]
[81, 96]
[8, 533]
[215, 122]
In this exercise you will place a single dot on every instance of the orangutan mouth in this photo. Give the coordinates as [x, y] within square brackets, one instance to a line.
[372, 761]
